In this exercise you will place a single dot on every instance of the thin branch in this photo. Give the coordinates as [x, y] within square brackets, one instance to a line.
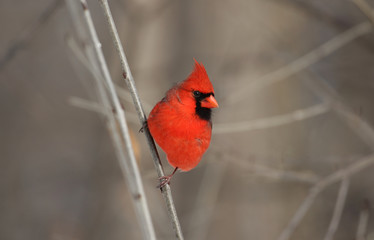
[365, 8]
[166, 192]
[303, 62]
[28, 33]
[128, 164]
[98, 108]
[363, 129]
[285, 175]
[363, 221]
[78, 53]
[275, 121]
[88, 105]
[260, 170]
[342, 195]
[125, 95]
[299, 215]
[339, 175]
[81, 57]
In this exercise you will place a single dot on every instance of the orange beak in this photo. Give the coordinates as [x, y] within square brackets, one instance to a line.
[209, 102]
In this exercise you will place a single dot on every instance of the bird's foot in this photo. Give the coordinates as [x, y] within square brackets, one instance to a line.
[164, 180]
[145, 125]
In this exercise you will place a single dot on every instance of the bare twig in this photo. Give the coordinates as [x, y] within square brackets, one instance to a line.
[365, 8]
[78, 53]
[304, 61]
[357, 124]
[24, 37]
[125, 95]
[363, 221]
[275, 121]
[166, 192]
[299, 215]
[88, 105]
[96, 107]
[285, 175]
[128, 164]
[339, 175]
[88, 63]
[342, 195]
[260, 170]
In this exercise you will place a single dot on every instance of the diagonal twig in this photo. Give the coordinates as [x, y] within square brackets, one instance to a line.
[303, 62]
[79, 54]
[264, 123]
[98, 108]
[339, 175]
[261, 170]
[166, 191]
[358, 125]
[342, 195]
[365, 8]
[27, 34]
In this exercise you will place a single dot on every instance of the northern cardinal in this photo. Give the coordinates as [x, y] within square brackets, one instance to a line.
[181, 122]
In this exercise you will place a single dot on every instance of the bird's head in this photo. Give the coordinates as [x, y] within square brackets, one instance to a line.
[199, 90]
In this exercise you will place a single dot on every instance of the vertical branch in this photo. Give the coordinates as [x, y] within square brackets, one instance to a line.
[342, 195]
[166, 192]
[127, 163]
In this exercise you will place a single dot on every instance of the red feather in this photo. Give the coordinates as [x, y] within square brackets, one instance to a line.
[175, 124]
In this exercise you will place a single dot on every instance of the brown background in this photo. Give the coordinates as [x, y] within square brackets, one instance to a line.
[59, 175]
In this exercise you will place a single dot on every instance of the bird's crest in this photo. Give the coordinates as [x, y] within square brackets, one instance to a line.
[198, 80]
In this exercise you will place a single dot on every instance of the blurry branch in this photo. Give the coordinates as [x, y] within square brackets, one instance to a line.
[357, 124]
[339, 175]
[125, 95]
[88, 105]
[299, 215]
[28, 33]
[260, 170]
[211, 184]
[166, 192]
[275, 121]
[285, 175]
[206, 200]
[365, 8]
[81, 57]
[363, 221]
[342, 195]
[303, 62]
[98, 108]
[127, 163]
[78, 53]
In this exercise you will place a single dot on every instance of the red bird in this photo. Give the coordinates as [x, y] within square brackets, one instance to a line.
[181, 122]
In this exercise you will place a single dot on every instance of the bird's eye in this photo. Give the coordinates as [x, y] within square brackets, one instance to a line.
[196, 93]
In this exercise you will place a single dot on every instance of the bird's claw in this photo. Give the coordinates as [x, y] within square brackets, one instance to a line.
[145, 125]
[164, 180]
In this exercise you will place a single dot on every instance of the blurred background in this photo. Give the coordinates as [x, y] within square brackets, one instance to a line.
[294, 81]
